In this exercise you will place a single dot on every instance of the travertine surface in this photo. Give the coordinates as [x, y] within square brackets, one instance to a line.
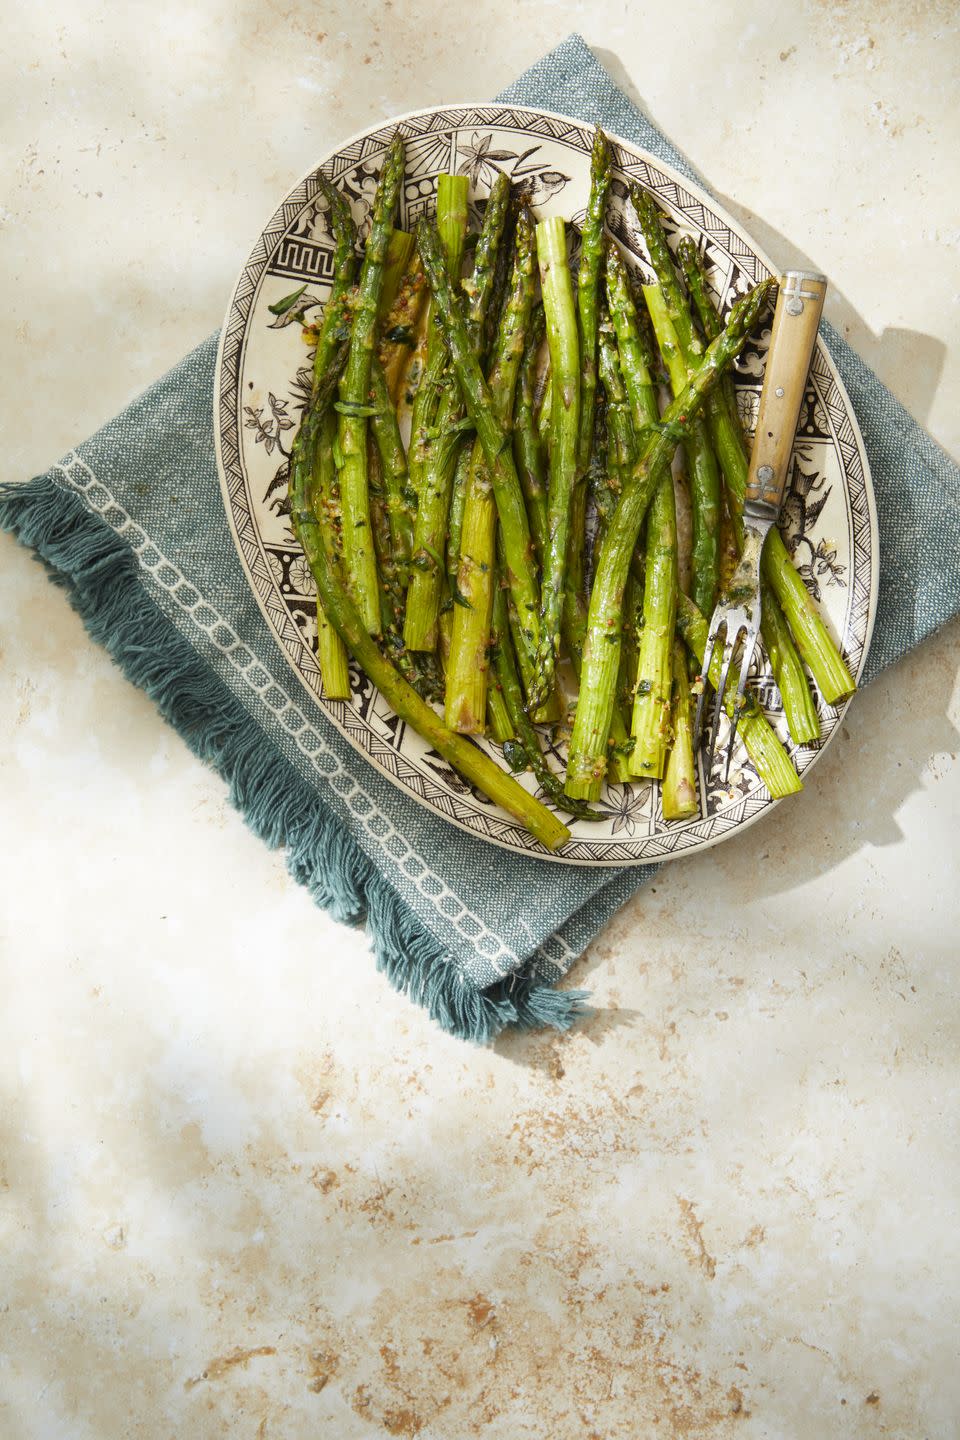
[245, 1189]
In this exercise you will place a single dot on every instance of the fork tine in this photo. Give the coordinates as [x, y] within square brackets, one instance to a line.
[729, 650]
[749, 646]
[716, 625]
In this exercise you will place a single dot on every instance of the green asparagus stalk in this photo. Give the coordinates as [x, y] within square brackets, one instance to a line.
[469, 663]
[691, 263]
[321, 488]
[701, 464]
[606, 489]
[652, 702]
[500, 725]
[500, 283]
[545, 408]
[621, 437]
[527, 446]
[678, 795]
[465, 705]
[564, 346]
[573, 627]
[636, 359]
[588, 301]
[588, 291]
[458, 501]
[813, 640]
[389, 582]
[653, 689]
[799, 708]
[771, 760]
[430, 530]
[313, 482]
[344, 273]
[401, 327]
[479, 286]
[421, 626]
[399, 252]
[586, 764]
[510, 689]
[423, 603]
[497, 449]
[452, 194]
[393, 463]
[359, 558]
[313, 471]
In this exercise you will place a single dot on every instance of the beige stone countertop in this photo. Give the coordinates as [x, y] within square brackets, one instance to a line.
[246, 1189]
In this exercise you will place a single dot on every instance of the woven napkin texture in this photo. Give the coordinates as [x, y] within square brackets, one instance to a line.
[132, 525]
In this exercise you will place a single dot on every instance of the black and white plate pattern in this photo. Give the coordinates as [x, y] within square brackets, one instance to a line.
[829, 522]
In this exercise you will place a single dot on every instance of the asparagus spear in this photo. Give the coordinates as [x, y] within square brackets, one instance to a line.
[497, 449]
[527, 446]
[313, 483]
[636, 358]
[466, 701]
[331, 655]
[651, 708]
[479, 286]
[652, 703]
[499, 724]
[622, 440]
[510, 689]
[452, 192]
[389, 581]
[423, 599]
[701, 464]
[606, 490]
[344, 272]
[604, 486]
[802, 718]
[588, 291]
[310, 472]
[678, 794]
[813, 639]
[573, 626]
[321, 489]
[458, 501]
[465, 705]
[694, 274]
[564, 346]
[359, 559]
[545, 407]
[393, 463]
[588, 300]
[399, 252]
[401, 326]
[587, 755]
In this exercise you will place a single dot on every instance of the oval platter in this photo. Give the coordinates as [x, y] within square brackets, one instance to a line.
[829, 521]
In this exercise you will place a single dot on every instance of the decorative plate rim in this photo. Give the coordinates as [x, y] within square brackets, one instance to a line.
[521, 843]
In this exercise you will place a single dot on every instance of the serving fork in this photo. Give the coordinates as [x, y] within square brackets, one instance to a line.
[737, 613]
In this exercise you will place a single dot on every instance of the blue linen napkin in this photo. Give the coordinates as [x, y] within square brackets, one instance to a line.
[132, 525]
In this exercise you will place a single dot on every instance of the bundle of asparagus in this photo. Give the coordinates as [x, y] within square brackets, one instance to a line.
[456, 568]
